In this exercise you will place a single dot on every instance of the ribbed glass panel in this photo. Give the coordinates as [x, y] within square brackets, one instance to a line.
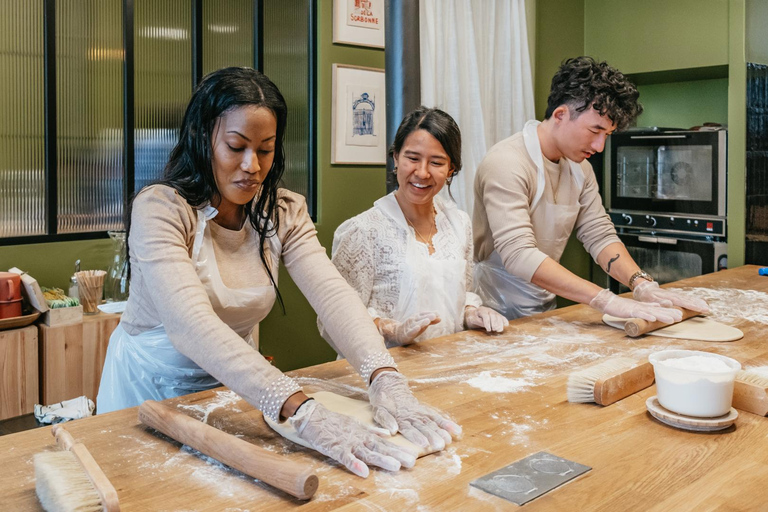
[162, 81]
[89, 111]
[286, 63]
[227, 34]
[22, 104]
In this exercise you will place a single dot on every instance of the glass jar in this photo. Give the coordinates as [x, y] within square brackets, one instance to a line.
[116, 280]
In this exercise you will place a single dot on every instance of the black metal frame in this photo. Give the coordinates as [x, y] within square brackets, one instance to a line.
[51, 163]
[312, 93]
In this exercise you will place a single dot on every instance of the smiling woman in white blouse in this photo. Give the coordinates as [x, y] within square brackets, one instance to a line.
[410, 256]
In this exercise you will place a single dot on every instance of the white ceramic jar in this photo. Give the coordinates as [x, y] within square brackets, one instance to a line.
[694, 383]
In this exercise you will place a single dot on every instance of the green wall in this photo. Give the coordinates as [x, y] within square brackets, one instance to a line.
[654, 35]
[54, 263]
[344, 191]
[684, 104]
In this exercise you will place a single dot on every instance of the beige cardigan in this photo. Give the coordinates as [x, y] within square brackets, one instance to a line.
[165, 290]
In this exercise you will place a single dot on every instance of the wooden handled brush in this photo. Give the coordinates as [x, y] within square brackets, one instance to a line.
[70, 479]
[750, 392]
[609, 381]
[259, 463]
[635, 327]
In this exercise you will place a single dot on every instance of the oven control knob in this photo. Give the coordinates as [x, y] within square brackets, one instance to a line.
[651, 221]
[626, 218]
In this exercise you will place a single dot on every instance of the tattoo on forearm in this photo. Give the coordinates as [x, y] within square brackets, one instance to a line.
[608, 267]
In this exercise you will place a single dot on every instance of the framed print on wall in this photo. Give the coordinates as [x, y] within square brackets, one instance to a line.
[359, 115]
[359, 22]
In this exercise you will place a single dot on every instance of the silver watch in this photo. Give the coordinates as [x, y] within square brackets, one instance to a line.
[639, 274]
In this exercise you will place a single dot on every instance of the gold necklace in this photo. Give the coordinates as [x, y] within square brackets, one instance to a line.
[427, 241]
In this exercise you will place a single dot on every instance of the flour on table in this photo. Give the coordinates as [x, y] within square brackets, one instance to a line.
[489, 383]
[732, 306]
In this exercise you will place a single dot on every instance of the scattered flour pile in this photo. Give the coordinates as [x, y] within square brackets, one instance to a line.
[487, 382]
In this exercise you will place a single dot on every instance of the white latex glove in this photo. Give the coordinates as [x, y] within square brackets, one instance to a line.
[484, 318]
[611, 304]
[649, 291]
[403, 333]
[396, 409]
[346, 440]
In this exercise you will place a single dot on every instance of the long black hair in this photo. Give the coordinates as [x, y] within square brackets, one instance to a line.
[190, 166]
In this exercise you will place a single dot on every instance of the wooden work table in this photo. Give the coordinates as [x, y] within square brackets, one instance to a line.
[637, 463]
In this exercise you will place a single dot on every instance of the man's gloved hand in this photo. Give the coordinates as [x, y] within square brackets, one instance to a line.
[396, 409]
[611, 304]
[403, 333]
[649, 291]
[484, 318]
[346, 440]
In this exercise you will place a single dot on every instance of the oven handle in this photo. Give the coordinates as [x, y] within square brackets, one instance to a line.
[658, 137]
[657, 240]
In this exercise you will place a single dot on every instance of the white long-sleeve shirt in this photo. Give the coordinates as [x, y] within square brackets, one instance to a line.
[369, 250]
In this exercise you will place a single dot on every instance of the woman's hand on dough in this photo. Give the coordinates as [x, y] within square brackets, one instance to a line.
[403, 333]
[346, 440]
[611, 304]
[649, 291]
[484, 318]
[396, 409]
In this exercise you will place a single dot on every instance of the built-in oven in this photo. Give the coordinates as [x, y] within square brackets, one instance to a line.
[671, 255]
[666, 195]
[671, 171]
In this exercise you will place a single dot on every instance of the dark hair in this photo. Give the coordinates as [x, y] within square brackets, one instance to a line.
[437, 123]
[582, 82]
[190, 170]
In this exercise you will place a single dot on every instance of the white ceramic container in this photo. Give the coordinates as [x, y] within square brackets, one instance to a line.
[701, 391]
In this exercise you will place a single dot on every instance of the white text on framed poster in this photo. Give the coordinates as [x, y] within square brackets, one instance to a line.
[358, 133]
[359, 22]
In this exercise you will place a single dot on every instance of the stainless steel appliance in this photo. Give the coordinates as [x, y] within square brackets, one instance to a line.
[666, 194]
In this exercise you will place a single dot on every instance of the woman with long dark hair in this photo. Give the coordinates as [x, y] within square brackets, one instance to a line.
[204, 246]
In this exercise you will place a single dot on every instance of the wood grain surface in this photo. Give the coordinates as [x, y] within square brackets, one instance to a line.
[638, 463]
[72, 357]
[19, 378]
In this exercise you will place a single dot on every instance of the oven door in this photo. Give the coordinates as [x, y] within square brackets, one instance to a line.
[674, 172]
[671, 259]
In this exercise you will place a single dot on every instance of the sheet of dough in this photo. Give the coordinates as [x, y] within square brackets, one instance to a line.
[358, 409]
[696, 328]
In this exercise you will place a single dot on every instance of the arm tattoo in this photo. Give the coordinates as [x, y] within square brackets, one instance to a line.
[608, 267]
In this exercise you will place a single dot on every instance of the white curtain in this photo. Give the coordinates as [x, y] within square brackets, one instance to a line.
[475, 65]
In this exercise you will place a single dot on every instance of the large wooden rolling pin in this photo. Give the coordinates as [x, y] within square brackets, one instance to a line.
[259, 463]
[637, 327]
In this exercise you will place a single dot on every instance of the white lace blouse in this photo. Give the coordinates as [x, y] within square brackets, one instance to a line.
[369, 250]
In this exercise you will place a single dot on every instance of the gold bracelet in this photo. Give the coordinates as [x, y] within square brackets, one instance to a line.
[640, 273]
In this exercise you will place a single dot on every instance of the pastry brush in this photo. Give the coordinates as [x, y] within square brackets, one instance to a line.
[750, 391]
[609, 381]
[69, 479]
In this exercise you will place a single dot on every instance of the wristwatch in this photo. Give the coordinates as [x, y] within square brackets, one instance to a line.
[639, 274]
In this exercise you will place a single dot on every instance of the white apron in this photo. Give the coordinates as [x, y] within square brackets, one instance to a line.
[148, 366]
[429, 283]
[552, 226]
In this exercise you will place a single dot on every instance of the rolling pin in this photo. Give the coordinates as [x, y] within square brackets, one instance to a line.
[259, 463]
[636, 326]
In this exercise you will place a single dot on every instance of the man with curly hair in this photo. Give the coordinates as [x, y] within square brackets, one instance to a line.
[534, 188]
